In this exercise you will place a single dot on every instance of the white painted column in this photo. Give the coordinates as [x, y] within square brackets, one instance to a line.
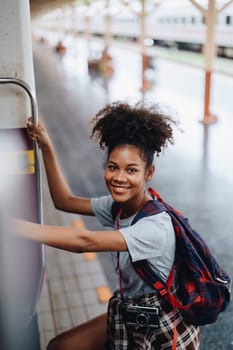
[146, 85]
[209, 55]
[87, 18]
[108, 23]
[15, 61]
[142, 16]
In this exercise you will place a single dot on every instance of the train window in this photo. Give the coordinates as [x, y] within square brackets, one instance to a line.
[203, 20]
[228, 20]
[167, 19]
[193, 20]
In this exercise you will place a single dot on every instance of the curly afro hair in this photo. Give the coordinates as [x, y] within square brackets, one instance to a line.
[147, 128]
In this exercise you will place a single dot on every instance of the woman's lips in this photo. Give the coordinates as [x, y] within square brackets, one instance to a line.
[119, 189]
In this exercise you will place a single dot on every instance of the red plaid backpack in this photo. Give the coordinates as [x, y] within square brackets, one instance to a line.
[203, 287]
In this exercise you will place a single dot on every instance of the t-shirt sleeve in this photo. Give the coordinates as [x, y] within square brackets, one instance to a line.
[149, 237]
[101, 207]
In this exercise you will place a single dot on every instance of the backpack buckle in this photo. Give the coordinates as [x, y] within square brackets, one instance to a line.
[227, 284]
[160, 288]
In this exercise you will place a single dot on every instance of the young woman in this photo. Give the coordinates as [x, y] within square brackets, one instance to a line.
[131, 136]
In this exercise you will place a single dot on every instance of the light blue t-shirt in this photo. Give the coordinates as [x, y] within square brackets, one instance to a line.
[150, 238]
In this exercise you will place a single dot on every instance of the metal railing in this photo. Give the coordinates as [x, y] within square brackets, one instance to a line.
[34, 114]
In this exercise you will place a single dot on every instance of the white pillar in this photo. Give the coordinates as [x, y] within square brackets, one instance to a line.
[108, 34]
[210, 44]
[142, 27]
[146, 85]
[209, 54]
[87, 21]
[15, 61]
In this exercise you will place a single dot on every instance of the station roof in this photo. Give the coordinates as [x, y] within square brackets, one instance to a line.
[41, 6]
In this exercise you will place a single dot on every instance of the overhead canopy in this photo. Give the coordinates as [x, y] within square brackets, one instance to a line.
[42, 6]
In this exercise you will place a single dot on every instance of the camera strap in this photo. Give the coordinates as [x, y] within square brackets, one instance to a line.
[157, 284]
[118, 256]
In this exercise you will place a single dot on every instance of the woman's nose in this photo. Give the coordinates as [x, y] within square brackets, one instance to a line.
[120, 176]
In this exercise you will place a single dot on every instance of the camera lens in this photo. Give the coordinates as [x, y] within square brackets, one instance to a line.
[142, 319]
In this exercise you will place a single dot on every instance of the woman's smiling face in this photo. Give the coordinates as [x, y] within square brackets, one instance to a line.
[126, 174]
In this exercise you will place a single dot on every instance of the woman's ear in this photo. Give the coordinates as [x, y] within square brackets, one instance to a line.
[150, 172]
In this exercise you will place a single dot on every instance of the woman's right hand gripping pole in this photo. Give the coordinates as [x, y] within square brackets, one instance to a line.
[61, 194]
[38, 133]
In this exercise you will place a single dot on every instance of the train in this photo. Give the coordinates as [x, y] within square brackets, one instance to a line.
[173, 24]
[22, 261]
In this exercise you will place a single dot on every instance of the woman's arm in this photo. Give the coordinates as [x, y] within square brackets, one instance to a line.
[69, 238]
[60, 192]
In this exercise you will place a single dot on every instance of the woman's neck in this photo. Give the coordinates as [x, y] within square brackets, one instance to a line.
[128, 209]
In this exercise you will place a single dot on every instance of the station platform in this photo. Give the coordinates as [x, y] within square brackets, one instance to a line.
[75, 287]
[195, 175]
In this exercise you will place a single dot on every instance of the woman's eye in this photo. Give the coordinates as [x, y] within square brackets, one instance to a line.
[131, 170]
[111, 167]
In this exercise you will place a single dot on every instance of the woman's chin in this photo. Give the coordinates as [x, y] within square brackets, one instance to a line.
[119, 197]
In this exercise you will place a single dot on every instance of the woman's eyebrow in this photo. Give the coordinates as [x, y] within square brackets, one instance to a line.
[130, 164]
[133, 164]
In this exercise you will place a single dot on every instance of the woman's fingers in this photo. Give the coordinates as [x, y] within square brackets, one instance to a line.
[37, 132]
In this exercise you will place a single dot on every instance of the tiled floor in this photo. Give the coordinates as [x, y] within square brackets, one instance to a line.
[75, 287]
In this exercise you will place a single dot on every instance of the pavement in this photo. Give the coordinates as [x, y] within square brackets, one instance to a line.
[75, 288]
[195, 176]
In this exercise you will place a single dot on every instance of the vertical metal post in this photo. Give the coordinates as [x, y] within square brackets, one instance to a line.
[142, 27]
[145, 83]
[108, 20]
[210, 54]
[87, 24]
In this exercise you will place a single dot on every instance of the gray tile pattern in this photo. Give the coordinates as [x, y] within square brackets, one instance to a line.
[68, 296]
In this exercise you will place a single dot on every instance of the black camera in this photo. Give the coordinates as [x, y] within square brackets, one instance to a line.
[141, 316]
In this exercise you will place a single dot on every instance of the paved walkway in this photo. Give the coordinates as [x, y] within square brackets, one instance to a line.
[75, 287]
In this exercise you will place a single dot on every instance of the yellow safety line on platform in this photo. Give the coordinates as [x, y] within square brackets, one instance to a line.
[104, 294]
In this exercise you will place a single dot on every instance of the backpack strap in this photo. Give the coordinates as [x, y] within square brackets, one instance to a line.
[143, 267]
[115, 210]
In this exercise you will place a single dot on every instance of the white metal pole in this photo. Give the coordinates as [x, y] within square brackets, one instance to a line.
[209, 54]
[108, 24]
[146, 85]
[142, 27]
[87, 18]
